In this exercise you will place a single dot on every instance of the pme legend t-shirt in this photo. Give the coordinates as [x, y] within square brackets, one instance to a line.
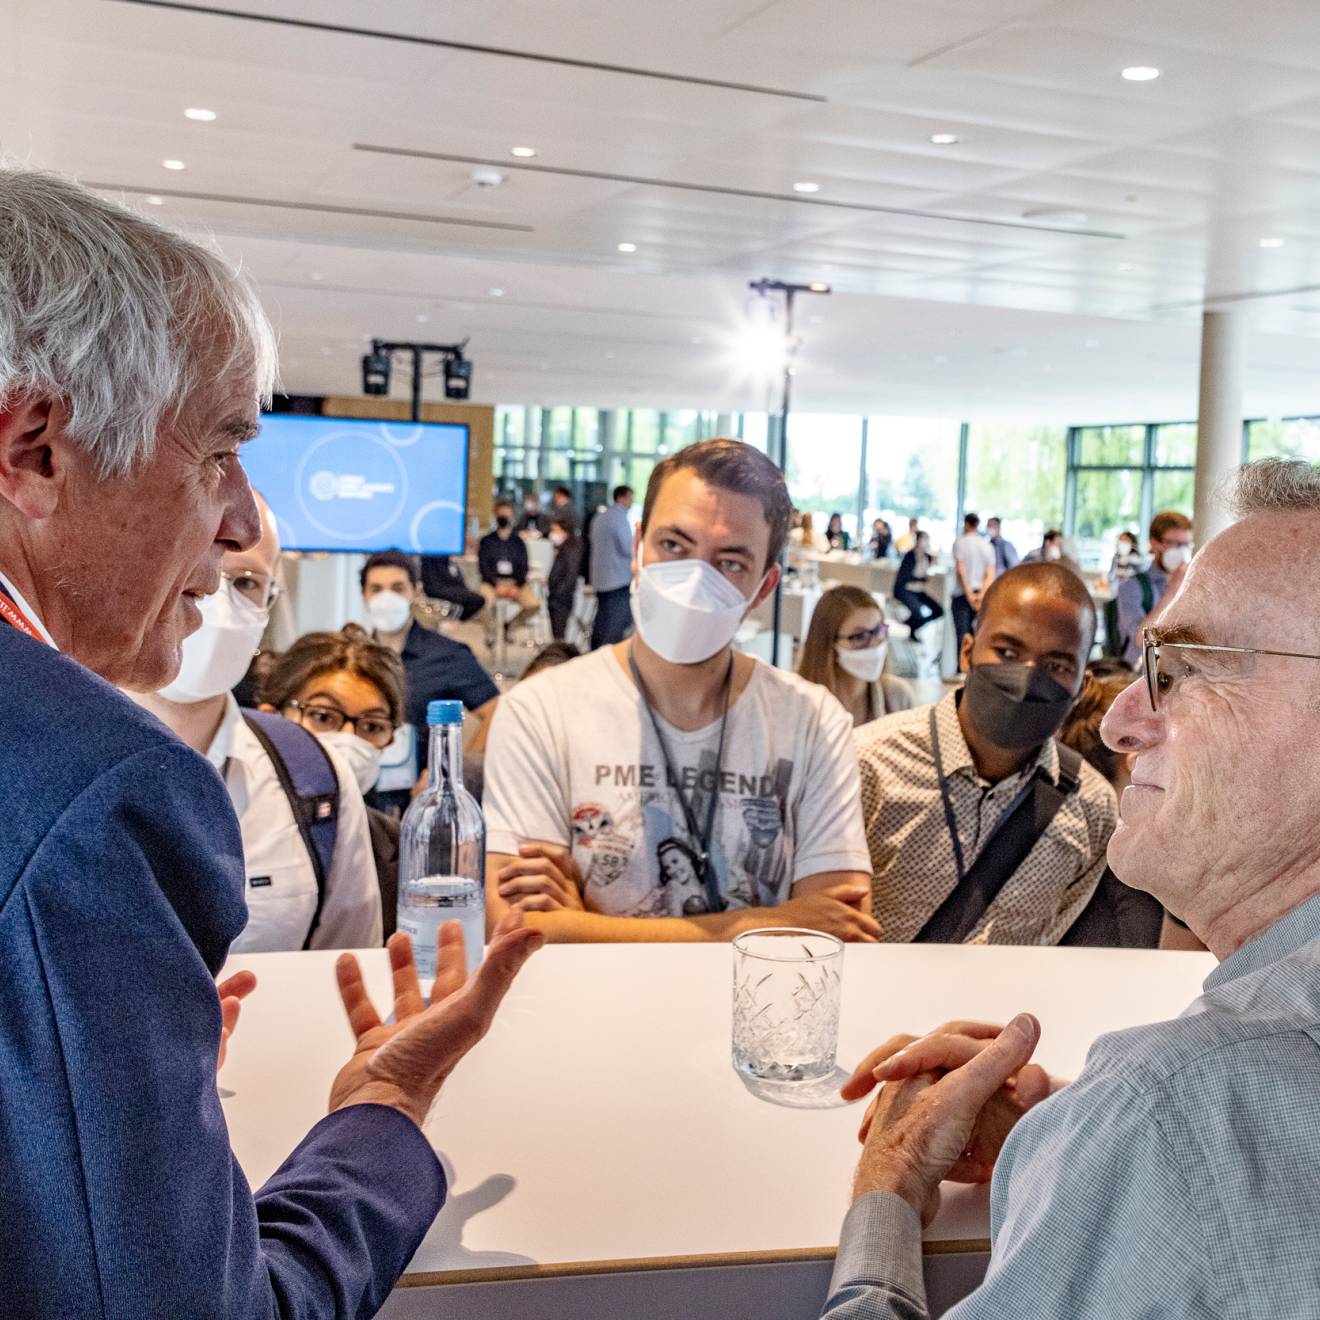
[573, 760]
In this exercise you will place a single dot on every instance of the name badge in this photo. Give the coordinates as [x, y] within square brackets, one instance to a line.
[398, 766]
[504, 568]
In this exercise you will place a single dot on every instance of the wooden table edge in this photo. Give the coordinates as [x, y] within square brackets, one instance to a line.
[647, 1264]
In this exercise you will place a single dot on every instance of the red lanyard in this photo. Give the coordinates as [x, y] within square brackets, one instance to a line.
[15, 617]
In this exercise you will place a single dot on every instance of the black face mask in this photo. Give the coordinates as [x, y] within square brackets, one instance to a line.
[1016, 706]
[502, 521]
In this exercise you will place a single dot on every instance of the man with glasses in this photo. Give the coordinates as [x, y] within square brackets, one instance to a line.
[1178, 1176]
[299, 893]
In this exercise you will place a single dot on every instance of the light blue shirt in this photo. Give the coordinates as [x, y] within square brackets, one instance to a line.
[1179, 1176]
[611, 549]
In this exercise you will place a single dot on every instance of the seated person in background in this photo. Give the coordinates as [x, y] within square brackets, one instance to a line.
[1127, 560]
[1142, 597]
[909, 538]
[953, 795]
[612, 781]
[502, 562]
[435, 667]
[835, 536]
[442, 579]
[1116, 916]
[309, 885]
[561, 587]
[882, 539]
[533, 521]
[805, 536]
[910, 585]
[1050, 551]
[348, 691]
[845, 653]
[1177, 1176]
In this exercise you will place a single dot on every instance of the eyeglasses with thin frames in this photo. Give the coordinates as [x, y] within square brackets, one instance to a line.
[865, 638]
[1160, 681]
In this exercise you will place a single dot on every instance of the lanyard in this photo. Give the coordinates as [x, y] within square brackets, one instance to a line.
[948, 805]
[15, 617]
[700, 840]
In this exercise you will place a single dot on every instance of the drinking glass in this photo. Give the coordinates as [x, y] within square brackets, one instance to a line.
[786, 985]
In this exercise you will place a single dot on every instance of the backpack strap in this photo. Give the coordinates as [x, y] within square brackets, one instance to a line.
[1147, 593]
[308, 778]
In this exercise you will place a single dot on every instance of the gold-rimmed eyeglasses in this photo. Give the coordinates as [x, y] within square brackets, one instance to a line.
[1158, 656]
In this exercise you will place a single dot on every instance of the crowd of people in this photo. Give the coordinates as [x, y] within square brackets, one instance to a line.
[665, 786]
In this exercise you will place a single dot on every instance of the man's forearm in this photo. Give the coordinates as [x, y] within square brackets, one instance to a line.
[575, 927]
[877, 1272]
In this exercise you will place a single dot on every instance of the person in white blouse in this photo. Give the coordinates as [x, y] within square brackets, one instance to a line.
[288, 905]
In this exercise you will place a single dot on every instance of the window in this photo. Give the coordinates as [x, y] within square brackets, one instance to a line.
[1175, 445]
[824, 466]
[912, 472]
[1015, 472]
[1111, 446]
[1296, 437]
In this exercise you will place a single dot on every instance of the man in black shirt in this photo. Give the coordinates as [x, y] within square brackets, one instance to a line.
[502, 560]
[442, 579]
[435, 667]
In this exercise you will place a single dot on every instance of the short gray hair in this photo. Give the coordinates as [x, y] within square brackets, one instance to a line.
[1276, 485]
[115, 315]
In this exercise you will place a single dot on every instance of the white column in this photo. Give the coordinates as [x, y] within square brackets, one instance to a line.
[1219, 426]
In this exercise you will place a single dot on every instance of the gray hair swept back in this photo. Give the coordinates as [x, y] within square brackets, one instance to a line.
[115, 315]
[1276, 485]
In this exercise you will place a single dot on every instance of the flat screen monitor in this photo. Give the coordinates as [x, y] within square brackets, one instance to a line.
[338, 483]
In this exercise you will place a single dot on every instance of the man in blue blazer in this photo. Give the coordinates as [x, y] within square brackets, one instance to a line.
[132, 366]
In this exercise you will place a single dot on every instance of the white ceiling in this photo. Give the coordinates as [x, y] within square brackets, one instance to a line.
[936, 310]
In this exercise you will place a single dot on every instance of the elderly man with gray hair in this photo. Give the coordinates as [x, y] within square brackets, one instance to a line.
[132, 366]
[1179, 1176]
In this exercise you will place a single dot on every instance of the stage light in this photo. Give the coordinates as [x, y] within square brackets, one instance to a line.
[376, 372]
[458, 377]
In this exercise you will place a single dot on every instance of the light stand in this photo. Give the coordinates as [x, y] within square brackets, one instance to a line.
[457, 369]
[765, 287]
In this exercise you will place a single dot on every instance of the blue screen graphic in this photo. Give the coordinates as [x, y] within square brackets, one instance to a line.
[340, 484]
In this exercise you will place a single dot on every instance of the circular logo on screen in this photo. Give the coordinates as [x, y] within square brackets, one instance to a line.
[357, 485]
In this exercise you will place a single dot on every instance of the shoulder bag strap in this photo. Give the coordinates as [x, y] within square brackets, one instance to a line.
[308, 779]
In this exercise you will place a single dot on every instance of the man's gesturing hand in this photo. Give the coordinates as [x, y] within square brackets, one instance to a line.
[921, 1127]
[404, 1064]
[232, 991]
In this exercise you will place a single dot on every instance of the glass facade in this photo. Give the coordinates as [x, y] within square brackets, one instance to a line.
[1092, 482]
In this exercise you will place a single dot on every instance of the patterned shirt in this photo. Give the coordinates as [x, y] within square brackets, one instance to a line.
[1178, 1177]
[912, 858]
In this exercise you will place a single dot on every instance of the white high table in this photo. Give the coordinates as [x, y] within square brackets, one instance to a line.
[605, 1159]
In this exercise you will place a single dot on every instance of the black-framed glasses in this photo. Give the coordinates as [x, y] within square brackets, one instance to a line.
[316, 718]
[1161, 675]
[865, 638]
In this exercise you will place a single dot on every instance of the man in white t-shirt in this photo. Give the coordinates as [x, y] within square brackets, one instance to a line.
[974, 563]
[669, 788]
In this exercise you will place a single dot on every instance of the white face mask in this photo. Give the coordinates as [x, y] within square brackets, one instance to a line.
[1053, 552]
[218, 654]
[866, 665]
[685, 610]
[1175, 556]
[388, 611]
[359, 755]
[557, 537]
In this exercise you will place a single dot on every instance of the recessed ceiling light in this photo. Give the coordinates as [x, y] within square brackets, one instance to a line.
[945, 139]
[496, 293]
[154, 199]
[197, 112]
[317, 276]
[806, 186]
[523, 153]
[422, 318]
[1271, 242]
[1141, 73]
[627, 247]
[174, 165]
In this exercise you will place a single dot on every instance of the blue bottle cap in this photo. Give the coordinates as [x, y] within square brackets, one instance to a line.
[444, 712]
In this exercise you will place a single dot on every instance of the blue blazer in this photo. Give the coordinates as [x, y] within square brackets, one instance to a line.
[121, 887]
